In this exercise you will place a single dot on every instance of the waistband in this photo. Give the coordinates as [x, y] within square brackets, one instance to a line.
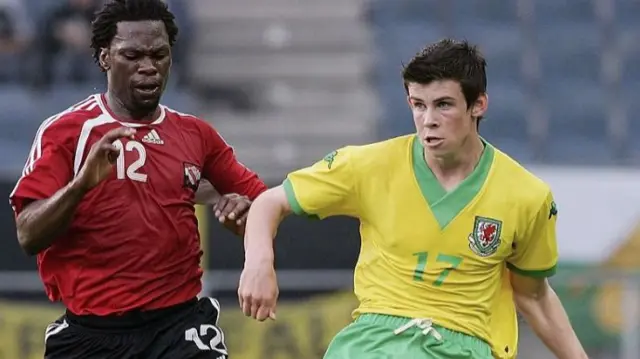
[129, 320]
[395, 322]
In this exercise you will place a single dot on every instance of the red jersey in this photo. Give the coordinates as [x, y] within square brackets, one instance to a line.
[133, 242]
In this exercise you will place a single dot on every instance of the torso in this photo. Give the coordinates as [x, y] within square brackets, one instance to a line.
[434, 253]
[134, 241]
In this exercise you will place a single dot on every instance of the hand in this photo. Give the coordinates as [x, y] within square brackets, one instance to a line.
[258, 290]
[232, 207]
[101, 157]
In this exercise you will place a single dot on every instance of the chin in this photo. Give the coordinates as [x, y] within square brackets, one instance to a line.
[146, 105]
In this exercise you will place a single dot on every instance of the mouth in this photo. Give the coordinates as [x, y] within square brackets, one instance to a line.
[433, 141]
[147, 89]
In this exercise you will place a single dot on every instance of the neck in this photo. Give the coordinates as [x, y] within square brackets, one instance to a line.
[120, 110]
[459, 164]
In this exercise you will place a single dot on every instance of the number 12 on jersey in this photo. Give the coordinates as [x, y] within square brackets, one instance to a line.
[422, 257]
[131, 171]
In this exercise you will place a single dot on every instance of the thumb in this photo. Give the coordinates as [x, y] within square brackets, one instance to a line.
[272, 314]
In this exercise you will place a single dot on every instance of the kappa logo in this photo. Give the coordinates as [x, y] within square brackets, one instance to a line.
[485, 238]
[192, 176]
[330, 158]
[553, 211]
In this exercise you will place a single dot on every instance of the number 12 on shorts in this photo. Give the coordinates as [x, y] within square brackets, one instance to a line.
[422, 258]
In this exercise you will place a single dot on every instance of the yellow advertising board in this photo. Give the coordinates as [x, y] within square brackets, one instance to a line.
[303, 329]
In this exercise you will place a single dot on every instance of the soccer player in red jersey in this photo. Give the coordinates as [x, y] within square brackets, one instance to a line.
[106, 201]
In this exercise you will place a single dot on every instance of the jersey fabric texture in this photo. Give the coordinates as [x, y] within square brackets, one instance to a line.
[133, 242]
[186, 331]
[426, 252]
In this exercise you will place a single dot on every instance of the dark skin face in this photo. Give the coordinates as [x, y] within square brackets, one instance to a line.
[137, 63]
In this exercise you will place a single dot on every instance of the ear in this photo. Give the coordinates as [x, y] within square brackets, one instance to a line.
[480, 106]
[104, 59]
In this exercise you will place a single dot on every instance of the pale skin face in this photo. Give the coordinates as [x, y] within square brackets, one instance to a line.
[444, 123]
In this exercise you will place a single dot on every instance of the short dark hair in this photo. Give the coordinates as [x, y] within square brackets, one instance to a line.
[449, 59]
[105, 24]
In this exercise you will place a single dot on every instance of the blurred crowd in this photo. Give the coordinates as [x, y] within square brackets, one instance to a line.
[47, 42]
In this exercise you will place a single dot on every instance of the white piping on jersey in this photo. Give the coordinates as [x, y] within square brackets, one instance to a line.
[35, 152]
[422, 323]
[89, 125]
[103, 107]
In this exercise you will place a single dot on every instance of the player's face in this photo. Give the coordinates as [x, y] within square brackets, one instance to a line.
[138, 63]
[443, 120]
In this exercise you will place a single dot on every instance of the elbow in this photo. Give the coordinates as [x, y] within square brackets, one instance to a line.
[26, 242]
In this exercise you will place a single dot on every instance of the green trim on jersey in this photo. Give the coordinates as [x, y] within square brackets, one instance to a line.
[293, 201]
[544, 273]
[447, 205]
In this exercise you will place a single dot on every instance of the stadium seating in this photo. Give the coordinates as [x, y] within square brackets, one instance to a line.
[571, 85]
[296, 78]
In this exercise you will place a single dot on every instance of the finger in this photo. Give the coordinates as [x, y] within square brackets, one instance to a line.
[217, 208]
[246, 307]
[272, 314]
[242, 219]
[263, 313]
[117, 133]
[226, 210]
[240, 298]
[254, 309]
[241, 207]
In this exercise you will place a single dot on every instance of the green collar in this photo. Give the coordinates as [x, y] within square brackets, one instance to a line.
[447, 205]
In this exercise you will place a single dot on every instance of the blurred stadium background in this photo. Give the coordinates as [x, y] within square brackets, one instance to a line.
[286, 81]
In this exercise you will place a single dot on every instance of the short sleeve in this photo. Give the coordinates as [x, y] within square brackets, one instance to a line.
[325, 189]
[49, 165]
[535, 252]
[224, 171]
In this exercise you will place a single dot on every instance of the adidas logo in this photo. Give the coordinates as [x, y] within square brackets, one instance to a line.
[152, 137]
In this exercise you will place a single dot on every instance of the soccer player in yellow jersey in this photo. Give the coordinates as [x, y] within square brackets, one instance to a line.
[442, 213]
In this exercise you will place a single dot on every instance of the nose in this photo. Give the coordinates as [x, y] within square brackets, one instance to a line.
[147, 67]
[430, 119]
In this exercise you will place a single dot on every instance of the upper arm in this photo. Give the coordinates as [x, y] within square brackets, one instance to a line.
[49, 165]
[535, 252]
[328, 188]
[223, 170]
[527, 286]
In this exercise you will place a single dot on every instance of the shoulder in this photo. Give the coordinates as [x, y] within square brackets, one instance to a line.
[378, 154]
[185, 118]
[522, 185]
[191, 123]
[70, 122]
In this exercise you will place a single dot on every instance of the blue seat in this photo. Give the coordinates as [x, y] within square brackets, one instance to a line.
[488, 11]
[578, 130]
[570, 51]
[627, 11]
[505, 123]
[554, 11]
[390, 12]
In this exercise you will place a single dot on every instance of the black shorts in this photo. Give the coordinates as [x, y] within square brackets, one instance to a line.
[185, 331]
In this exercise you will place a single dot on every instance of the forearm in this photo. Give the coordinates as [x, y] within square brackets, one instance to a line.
[548, 319]
[265, 215]
[206, 194]
[42, 221]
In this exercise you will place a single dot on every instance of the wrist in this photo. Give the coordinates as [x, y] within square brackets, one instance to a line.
[78, 186]
[259, 256]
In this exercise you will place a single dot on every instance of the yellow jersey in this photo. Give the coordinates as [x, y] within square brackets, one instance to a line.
[426, 252]
[504, 321]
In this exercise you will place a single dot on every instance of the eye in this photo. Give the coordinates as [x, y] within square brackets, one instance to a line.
[444, 105]
[159, 55]
[419, 105]
[130, 55]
